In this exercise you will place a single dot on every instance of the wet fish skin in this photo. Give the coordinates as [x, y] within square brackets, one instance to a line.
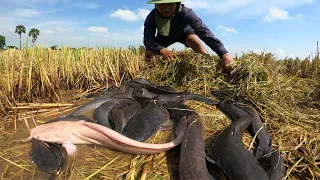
[166, 88]
[215, 172]
[140, 92]
[178, 110]
[263, 139]
[50, 157]
[230, 155]
[184, 97]
[89, 108]
[81, 132]
[101, 114]
[132, 110]
[147, 122]
[272, 162]
[142, 81]
[192, 162]
[118, 115]
[108, 92]
[111, 91]
[126, 92]
[274, 166]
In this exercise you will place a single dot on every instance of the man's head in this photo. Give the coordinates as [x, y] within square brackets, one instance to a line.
[166, 7]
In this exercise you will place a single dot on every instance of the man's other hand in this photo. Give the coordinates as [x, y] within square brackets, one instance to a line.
[167, 54]
[225, 64]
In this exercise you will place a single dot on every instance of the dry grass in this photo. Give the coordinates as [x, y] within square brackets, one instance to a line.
[41, 83]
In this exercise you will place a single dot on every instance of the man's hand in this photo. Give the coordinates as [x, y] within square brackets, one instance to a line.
[225, 64]
[167, 54]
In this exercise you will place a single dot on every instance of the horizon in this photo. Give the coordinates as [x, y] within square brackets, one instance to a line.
[285, 28]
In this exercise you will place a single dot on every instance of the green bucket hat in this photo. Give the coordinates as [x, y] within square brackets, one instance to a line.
[163, 1]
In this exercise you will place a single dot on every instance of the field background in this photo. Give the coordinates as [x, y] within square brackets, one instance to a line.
[39, 84]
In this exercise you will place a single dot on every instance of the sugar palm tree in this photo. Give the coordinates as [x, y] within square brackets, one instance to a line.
[34, 33]
[19, 30]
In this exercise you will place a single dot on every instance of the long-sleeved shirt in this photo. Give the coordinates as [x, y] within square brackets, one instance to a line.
[183, 21]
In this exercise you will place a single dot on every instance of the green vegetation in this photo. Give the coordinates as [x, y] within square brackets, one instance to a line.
[34, 33]
[55, 47]
[2, 42]
[33, 81]
[12, 47]
[19, 30]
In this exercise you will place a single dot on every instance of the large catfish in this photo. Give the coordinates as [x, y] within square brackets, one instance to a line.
[69, 133]
[192, 162]
[230, 154]
[50, 157]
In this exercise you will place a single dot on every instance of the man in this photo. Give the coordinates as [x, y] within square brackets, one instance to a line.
[177, 23]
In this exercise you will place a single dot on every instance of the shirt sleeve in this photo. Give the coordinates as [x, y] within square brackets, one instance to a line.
[149, 34]
[205, 34]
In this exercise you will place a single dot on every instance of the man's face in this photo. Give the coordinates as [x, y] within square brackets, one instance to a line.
[167, 9]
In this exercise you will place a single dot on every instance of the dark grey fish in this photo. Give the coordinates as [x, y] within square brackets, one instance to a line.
[121, 114]
[271, 161]
[101, 114]
[263, 139]
[108, 92]
[117, 117]
[234, 111]
[177, 110]
[89, 108]
[192, 162]
[166, 88]
[215, 172]
[274, 166]
[142, 81]
[229, 153]
[50, 157]
[111, 91]
[126, 92]
[184, 97]
[146, 122]
[132, 110]
[140, 92]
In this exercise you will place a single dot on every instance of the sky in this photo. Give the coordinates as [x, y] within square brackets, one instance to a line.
[287, 28]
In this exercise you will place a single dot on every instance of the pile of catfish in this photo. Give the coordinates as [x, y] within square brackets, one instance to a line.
[123, 118]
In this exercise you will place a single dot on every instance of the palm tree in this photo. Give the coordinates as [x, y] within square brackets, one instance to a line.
[34, 32]
[20, 29]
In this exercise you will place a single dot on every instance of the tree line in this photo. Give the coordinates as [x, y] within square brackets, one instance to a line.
[34, 33]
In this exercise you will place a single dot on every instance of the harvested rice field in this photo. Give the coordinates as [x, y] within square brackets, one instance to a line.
[38, 84]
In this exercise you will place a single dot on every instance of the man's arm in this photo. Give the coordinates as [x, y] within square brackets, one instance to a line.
[205, 34]
[149, 34]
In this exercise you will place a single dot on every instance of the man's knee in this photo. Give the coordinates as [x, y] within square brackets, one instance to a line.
[193, 41]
